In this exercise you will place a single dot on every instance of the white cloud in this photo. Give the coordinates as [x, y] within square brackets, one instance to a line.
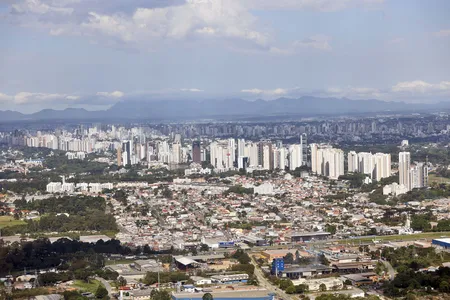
[40, 7]
[422, 87]
[73, 97]
[319, 42]
[274, 92]
[115, 94]
[5, 98]
[193, 90]
[25, 98]
[144, 27]
[144, 24]
[314, 5]
[28, 98]
[354, 92]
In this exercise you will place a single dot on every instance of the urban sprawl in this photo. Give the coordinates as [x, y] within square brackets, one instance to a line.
[334, 208]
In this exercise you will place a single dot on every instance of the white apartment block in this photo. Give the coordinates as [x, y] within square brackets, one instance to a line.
[327, 161]
[377, 165]
[404, 167]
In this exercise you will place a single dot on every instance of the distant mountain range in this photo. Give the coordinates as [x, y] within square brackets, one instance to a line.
[232, 108]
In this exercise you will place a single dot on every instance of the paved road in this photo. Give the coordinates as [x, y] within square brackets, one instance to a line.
[106, 284]
[265, 283]
[391, 270]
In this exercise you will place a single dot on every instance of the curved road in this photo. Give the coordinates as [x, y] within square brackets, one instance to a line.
[391, 270]
[106, 284]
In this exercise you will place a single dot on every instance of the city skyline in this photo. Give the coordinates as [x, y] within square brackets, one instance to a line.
[62, 54]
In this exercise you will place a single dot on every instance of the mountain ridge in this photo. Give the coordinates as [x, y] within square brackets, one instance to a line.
[179, 109]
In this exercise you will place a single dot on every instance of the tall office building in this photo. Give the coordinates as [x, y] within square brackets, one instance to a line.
[119, 156]
[253, 154]
[127, 151]
[304, 148]
[327, 161]
[196, 152]
[265, 155]
[332, 164]
[241, 147]
[381, 166]
[404, 167]
[377, 165]
[314, 158]
[242, 162]
[176, 153]
[279, 158]
[352, 159]
[221, 155]
[232, 150]
[295, 157]
[419, 176]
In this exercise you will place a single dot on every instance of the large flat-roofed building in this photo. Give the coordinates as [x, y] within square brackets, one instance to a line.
[441, 243]
[254, 240]
[270, 255]
[228, 295]
[331, 283]
[308, 236]
[306, 272]
[147, 265]
[94, 238]
[230, 279]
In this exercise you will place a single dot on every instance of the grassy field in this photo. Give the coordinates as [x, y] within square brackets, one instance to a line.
[6, 221]
[90, 286]
[438, 179]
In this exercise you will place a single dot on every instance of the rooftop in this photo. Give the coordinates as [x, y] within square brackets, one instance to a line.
[248, 294]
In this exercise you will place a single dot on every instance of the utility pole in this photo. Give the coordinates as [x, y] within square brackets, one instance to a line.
[157, 262]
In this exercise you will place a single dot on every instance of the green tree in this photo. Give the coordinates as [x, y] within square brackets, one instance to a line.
[204, 247]
[101, 292]
[330, 228]
[285, 283]
[322, 287]
[207, 296]
[301, 288]
[444, 287]
[289, 258]
[121, 281]
[291, 290]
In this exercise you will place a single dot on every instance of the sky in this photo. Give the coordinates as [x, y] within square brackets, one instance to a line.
[94, 53]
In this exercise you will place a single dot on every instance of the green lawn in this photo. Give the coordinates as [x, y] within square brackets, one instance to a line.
[6, 221]
[90, 286]
[438, 179]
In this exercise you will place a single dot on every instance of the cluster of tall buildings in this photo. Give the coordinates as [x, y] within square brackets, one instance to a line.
[327, 161]
[64, 143]
[412, 176]
[377, 165]
[133, 152]
[227, 154]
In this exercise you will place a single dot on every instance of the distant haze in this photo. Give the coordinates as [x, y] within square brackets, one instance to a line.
[184, 109]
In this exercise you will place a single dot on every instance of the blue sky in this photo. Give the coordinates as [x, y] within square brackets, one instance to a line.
[93, 53]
